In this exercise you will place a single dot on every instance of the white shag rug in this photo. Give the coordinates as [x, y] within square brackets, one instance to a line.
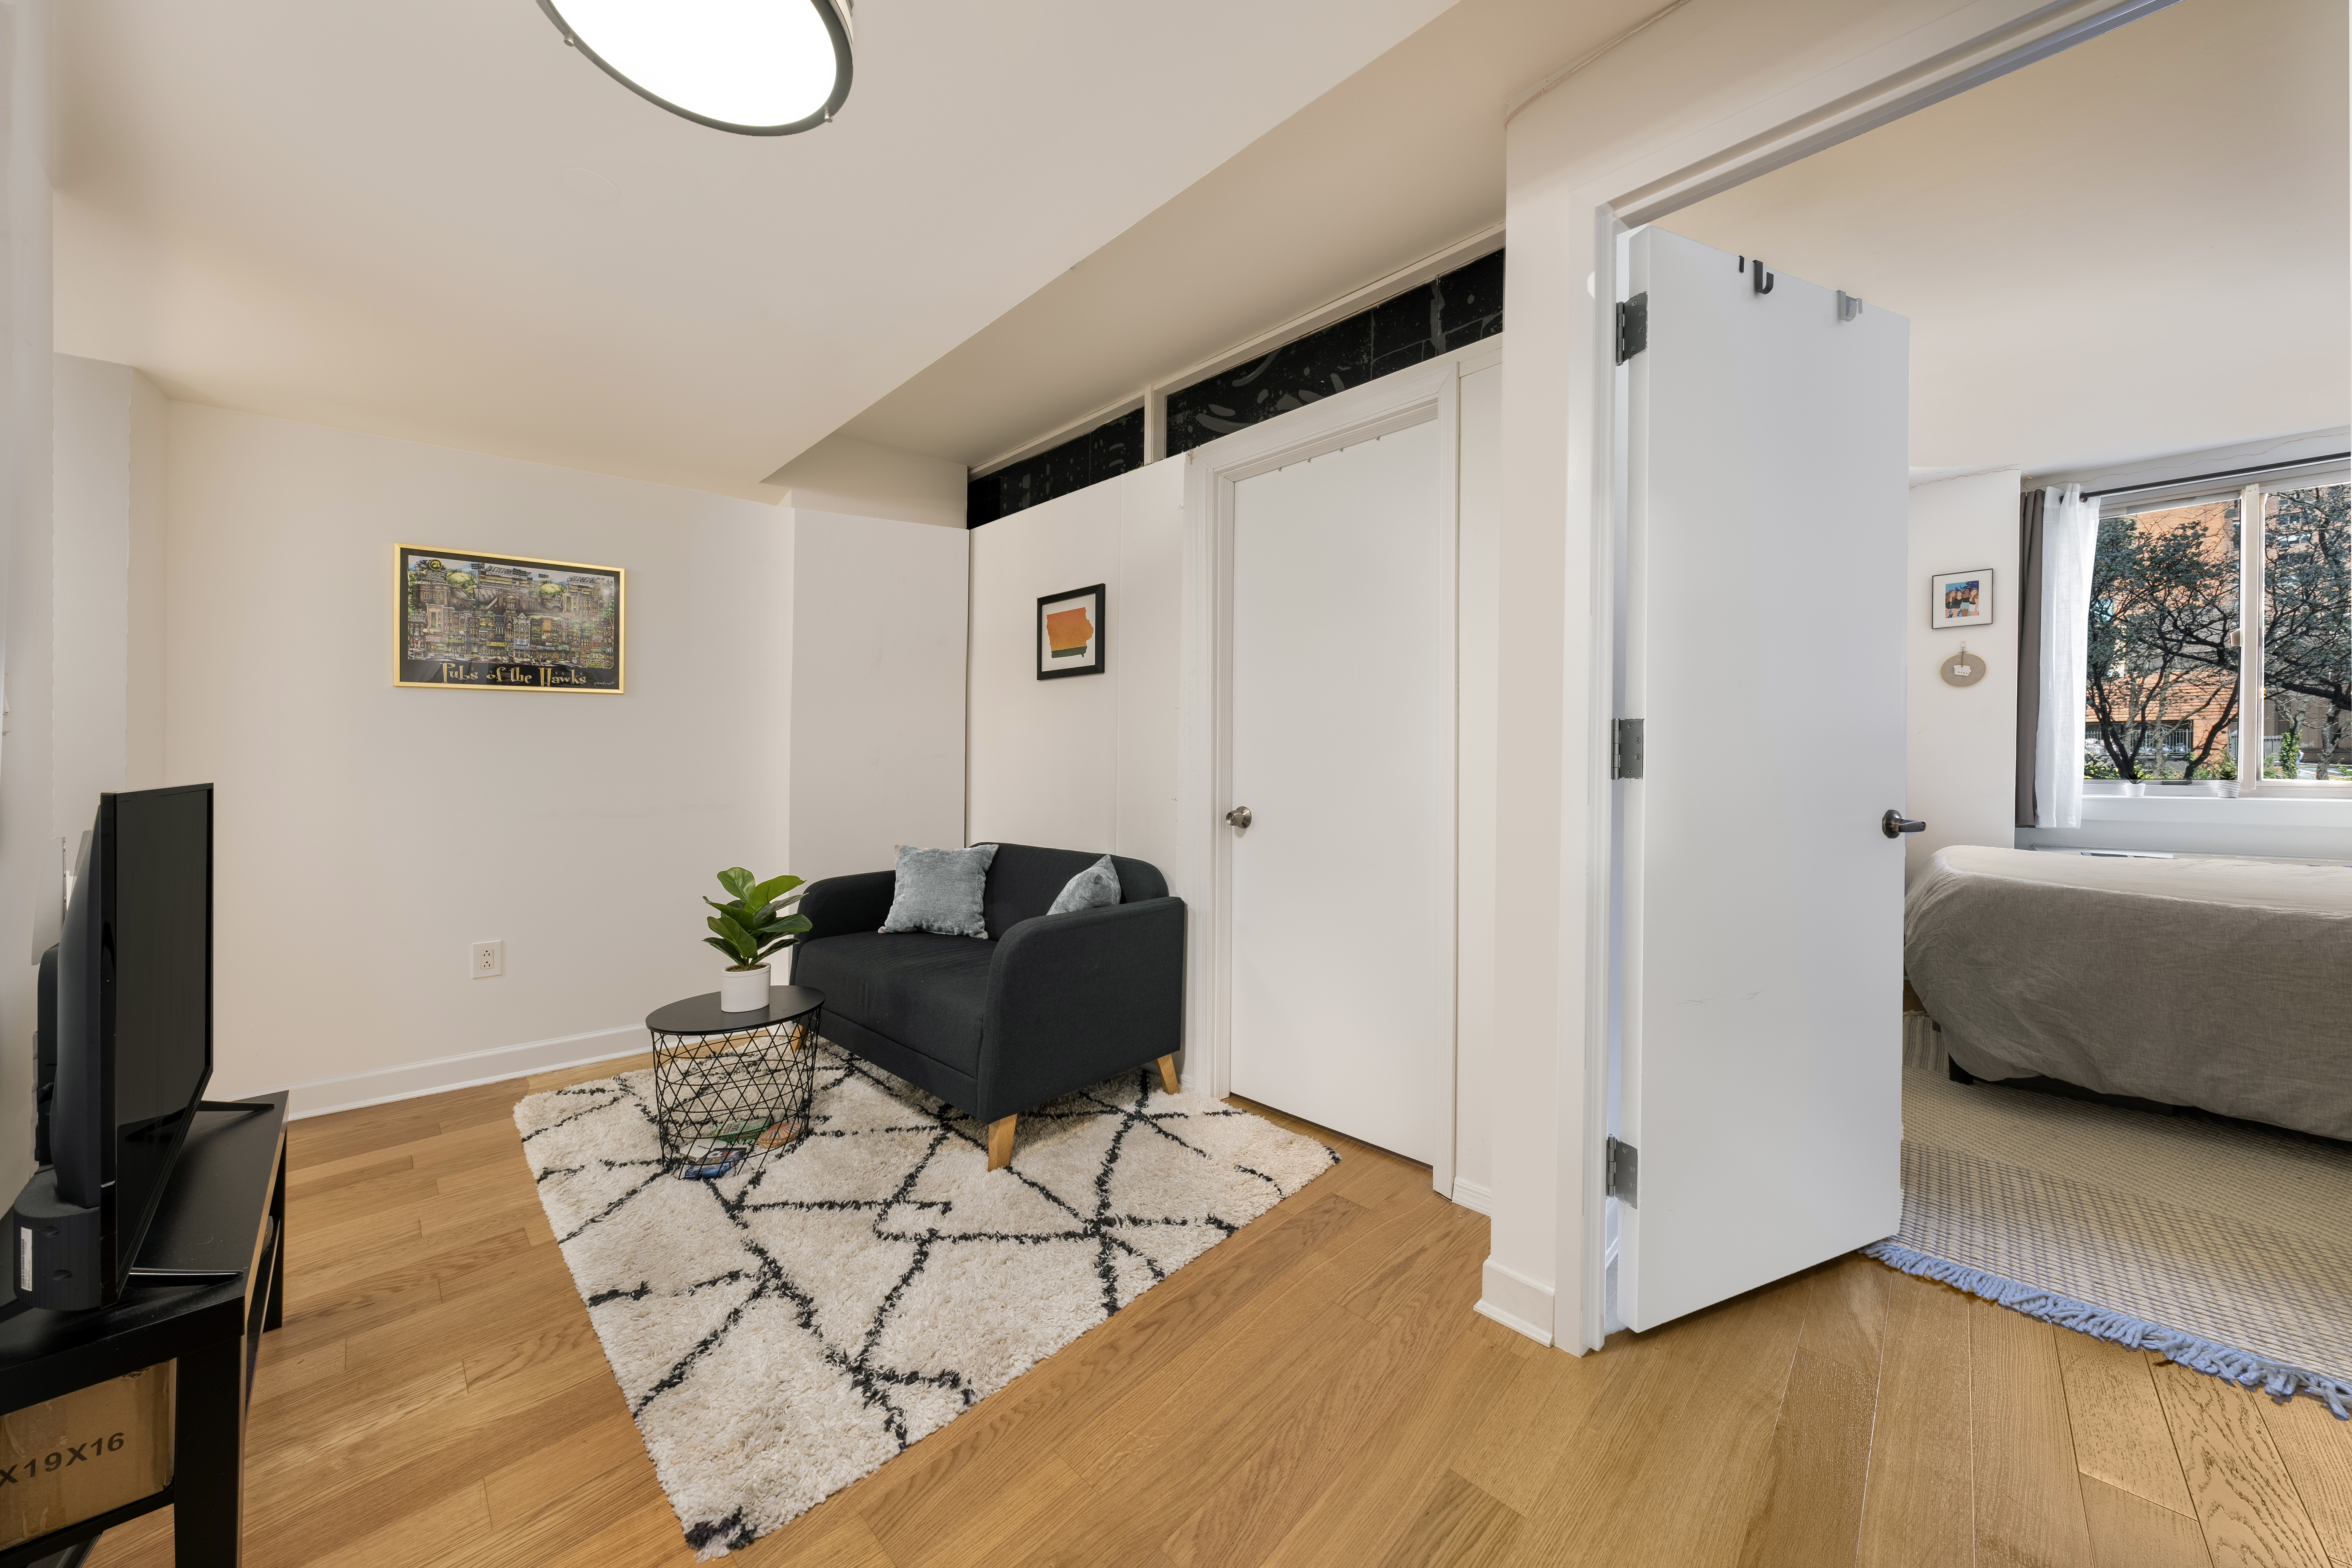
[783, 1331]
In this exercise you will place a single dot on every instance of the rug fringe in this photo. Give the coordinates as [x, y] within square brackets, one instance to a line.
[2277, 1379]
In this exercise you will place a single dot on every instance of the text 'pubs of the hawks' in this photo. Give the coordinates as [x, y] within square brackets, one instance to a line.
[509, 622]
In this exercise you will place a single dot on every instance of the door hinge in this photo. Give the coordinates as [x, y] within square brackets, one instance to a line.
[1632, 326]
[1624, 1173]
[1625, 749]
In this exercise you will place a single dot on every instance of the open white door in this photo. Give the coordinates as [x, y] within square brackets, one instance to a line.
[1765, 461]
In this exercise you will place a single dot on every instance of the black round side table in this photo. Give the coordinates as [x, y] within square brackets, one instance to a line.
[728, 1085]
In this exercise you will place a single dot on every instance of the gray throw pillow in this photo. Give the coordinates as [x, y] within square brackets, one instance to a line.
[1090, 888]
[941, 891]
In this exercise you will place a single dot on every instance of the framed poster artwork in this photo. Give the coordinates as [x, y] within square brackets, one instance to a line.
[1960, 599]
[507, 622]
[1070, 633]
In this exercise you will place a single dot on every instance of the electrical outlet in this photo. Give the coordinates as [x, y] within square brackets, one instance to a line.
[490, 958]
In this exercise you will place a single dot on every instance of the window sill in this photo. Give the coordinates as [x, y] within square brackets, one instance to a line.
[2275, 810]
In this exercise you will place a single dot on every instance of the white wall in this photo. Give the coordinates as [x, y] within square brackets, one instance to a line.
[865, 479]
[1479, 587]
[877, 690]
[1963, 739]
[368, 833]
[1673, 106]
[222, 598]
[146, 657]
[1092, 761]
[28, 856]
[107, 588]
[1088, 763]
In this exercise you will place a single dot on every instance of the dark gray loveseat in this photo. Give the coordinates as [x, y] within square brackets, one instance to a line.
[1044, 1005]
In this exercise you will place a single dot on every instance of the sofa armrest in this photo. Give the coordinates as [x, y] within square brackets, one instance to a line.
[836, 906]
[1075, 998]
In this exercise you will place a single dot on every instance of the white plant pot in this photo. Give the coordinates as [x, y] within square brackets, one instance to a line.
[743, 990]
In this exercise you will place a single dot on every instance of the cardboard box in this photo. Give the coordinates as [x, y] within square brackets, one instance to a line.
[75, 1458]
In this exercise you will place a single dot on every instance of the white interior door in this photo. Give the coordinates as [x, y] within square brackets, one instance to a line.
[1762, 919]
[1341, 750]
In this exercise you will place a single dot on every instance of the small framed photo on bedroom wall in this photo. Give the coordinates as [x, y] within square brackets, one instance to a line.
[1960, 599]
[1070, 633]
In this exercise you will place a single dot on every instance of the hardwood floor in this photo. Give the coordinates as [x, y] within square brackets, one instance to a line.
[1315, 1392]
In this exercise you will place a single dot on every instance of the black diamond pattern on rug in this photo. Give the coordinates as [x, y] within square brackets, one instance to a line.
[782, 1330]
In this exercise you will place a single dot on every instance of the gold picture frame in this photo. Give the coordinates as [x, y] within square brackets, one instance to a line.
[472, 620]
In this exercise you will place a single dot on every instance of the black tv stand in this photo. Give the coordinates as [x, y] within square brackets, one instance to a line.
[209, 1282]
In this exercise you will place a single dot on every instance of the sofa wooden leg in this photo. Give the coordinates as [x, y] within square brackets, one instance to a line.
[1000, 1142]
[1168, 1074]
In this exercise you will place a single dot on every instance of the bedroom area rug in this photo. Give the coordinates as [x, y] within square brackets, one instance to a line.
[783, 1331]
[2223, 1247]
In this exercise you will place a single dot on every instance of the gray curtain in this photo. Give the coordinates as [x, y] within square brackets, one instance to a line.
[2029, 647]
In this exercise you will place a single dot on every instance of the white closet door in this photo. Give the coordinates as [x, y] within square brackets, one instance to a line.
[1341, 959]
[1763, 904]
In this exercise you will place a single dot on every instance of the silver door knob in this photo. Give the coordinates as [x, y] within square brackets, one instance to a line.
[1239, 816]
[1895, 824]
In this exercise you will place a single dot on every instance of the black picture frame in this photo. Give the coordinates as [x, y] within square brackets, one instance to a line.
[1094, 653]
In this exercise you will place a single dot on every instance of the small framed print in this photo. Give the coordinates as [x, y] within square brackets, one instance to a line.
[1960, 599]
[1070, 633]
[470, 621]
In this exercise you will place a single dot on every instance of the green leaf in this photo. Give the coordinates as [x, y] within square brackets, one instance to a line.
[738, 881]
[733, 907]
[774, 946]
[720, 946]
[735, 936]
[796, 923]
[773, 889]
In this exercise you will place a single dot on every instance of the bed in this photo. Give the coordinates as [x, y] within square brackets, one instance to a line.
[2198, 981]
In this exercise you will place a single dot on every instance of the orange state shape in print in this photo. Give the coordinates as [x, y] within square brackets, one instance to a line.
[1067, 632]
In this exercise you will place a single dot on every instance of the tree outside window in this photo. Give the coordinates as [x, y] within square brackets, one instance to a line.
[2307, 631]
[2161, 700]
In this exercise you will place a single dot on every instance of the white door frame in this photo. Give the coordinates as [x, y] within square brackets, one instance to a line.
[1975, 43]
[1426, 392]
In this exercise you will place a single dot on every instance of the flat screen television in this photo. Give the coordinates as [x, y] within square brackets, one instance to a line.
[134, 1021]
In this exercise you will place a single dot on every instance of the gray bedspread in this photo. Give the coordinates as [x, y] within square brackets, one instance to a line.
[2200, 981]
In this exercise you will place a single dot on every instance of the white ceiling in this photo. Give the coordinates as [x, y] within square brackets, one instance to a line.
[433, 220]
[1398, 161]
[2137, 246]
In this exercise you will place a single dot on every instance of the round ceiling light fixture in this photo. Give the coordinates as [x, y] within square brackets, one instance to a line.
[758, 68]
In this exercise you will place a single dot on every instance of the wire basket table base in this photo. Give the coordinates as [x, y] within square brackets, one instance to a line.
[722, 1099]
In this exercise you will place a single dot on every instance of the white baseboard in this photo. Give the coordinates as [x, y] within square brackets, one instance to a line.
[1519, 1303]
[352, 1090]
[1474, 1195]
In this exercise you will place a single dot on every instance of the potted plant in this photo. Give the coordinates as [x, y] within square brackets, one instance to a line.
[747, 928]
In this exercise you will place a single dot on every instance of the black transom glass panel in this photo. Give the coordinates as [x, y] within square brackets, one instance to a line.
[1082, 460]
[1458, 308]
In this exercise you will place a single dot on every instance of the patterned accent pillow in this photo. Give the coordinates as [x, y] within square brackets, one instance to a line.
[1091, 888]
[941, 891]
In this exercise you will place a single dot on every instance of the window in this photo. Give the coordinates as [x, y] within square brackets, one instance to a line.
[2307, 633]
[2161, 691]
[2175, 590]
